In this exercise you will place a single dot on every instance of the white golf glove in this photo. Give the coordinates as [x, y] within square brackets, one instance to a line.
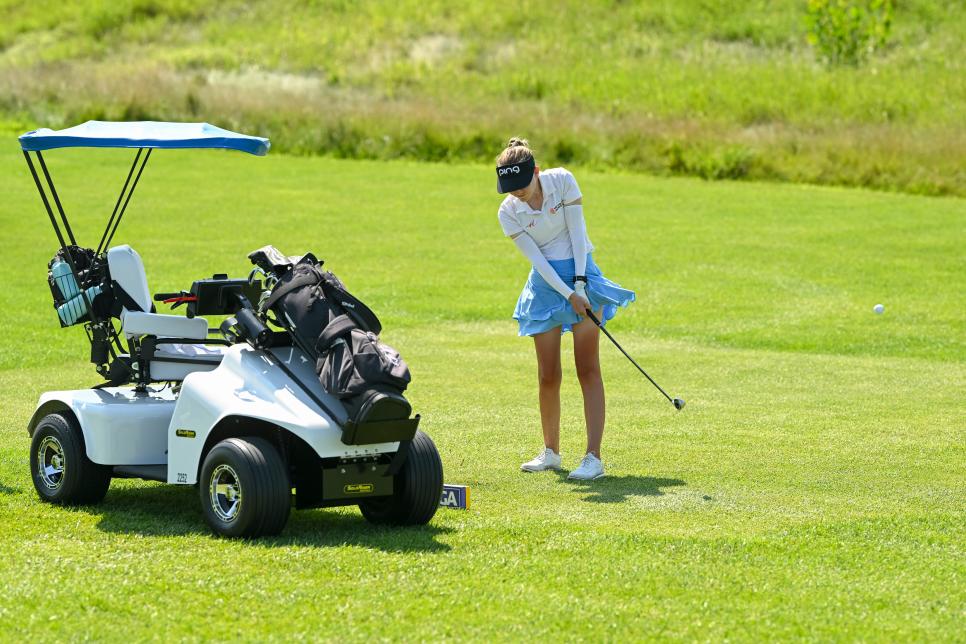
[581, 289]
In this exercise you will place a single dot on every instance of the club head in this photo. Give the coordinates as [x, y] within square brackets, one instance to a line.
[678, 404]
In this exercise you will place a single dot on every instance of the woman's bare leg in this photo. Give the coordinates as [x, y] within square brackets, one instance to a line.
[587, 361]
[549, 376]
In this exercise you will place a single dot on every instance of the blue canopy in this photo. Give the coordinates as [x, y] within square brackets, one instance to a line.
[142, 134]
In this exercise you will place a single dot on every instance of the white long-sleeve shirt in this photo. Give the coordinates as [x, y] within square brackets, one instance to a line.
[545, 226]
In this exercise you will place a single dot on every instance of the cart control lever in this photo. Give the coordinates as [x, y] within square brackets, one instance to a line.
[175, 299]
[161, 297]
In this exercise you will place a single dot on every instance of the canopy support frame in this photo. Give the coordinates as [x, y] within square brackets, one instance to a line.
[53, 192]
[106, 239]
[43, 197]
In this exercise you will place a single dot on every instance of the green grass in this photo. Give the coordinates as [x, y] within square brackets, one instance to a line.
[711, 89]
[812, 488]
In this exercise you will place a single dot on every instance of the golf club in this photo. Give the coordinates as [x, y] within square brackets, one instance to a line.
[677, 402]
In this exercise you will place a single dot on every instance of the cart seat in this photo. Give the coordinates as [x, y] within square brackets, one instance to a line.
[137, 316]
[171, 361]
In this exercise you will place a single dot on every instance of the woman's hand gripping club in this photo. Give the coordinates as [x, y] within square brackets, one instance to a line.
[578, 299]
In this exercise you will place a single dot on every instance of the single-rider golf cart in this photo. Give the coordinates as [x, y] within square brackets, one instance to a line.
[238, 411]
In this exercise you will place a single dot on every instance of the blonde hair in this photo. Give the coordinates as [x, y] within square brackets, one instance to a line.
[516, 151]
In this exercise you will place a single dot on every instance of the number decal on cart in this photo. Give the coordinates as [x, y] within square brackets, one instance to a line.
[182, 477]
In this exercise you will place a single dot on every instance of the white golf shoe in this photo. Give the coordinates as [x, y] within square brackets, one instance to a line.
[590, 468]
[545, 460]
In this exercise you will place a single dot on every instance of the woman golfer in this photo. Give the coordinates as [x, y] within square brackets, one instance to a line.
[544, 217]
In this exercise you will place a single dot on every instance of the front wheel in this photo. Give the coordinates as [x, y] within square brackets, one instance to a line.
[59, 466]
[417, 488]
[244, 488]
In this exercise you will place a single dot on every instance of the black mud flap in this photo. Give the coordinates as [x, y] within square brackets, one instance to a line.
[350, 481]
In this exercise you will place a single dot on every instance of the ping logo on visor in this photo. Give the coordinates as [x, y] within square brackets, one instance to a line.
[514, 176]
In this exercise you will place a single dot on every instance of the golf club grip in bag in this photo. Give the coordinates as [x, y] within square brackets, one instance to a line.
[341, 334]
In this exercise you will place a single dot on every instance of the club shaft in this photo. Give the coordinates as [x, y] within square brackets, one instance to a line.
[633, 362]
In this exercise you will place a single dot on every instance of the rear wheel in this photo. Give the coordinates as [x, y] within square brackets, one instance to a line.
[59, 466]
[416, 489]
[244, 488]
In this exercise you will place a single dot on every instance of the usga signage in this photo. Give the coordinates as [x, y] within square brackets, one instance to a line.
[455, 496]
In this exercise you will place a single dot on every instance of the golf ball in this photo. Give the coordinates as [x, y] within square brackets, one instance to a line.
[878, 308]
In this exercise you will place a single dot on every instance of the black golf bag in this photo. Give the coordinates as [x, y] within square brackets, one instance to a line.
[342, 335]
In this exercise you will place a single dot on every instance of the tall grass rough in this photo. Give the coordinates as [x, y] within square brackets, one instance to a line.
[728, 89]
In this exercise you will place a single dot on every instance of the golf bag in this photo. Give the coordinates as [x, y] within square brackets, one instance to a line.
[341, 334]
[72, 293]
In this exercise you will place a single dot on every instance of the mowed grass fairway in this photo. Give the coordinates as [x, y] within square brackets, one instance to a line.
[812, 488]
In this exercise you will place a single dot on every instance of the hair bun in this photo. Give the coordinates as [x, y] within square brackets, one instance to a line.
[516, 151]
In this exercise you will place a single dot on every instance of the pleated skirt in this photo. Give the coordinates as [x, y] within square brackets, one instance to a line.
[540, 308]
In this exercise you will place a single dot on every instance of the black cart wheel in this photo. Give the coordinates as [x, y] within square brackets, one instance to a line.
[244, 488]
[416, 489]
[59, 466]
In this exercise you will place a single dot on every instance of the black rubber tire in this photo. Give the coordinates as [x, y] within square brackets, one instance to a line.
[266, 495]
[417, 488]
[81, 481]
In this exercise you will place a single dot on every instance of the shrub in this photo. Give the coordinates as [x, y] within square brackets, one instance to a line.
[845, 32]
[730, 162]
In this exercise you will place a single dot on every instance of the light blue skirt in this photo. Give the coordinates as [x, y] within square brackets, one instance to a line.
[540, 308]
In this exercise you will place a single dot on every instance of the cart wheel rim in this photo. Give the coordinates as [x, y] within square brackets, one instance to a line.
[51, 463]
[225, 492]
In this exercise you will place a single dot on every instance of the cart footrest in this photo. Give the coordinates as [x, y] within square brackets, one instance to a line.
[146, 472]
